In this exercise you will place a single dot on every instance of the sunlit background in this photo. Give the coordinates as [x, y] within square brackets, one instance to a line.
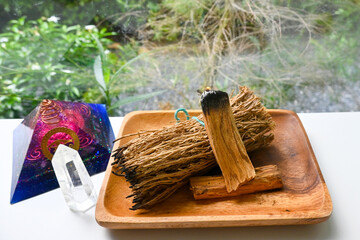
[158, 54]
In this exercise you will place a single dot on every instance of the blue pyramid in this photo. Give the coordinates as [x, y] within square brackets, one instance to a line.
[82, 126]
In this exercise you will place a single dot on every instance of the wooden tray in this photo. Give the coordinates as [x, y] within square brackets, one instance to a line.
[303, 200]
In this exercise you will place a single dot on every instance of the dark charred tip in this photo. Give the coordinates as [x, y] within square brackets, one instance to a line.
[132, 181]
[136, 206]
[211, 99]
[118, 174]
[118, 155]
[131, 195]
[123, 169]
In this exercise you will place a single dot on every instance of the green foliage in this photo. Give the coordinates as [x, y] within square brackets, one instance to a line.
[344, 55]
[107, 81]
[71, 12]
[328, 56]
[46, 60]
[170, 18]
[336, 47]
[42, 59]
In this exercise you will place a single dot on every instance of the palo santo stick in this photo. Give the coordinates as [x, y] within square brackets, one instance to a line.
[267, 178]
[225, 140]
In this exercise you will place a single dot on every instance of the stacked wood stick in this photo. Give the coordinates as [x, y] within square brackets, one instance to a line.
[158, 163]
[267, 178]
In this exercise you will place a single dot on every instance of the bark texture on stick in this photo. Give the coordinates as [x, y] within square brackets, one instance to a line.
[205, 187]
[156, 164]
[225, 140]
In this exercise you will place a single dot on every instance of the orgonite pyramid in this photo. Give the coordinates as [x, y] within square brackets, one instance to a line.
[81, 126]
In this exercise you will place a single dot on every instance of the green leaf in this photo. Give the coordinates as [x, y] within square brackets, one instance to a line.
[99, 76]
[134, 99]
[128, 63]
[76, 91]
[100, 47]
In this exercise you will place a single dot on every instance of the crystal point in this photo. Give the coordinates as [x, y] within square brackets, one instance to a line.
[73, 178]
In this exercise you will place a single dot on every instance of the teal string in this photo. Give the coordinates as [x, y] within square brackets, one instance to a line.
[199, 121]
[187, 116]
[181, 110]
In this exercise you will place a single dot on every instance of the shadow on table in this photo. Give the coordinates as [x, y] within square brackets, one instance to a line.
[318, 231]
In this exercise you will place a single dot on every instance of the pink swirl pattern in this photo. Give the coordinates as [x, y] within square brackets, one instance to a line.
[35, 154]
[50, 112]
[85, 141]
[84, 109]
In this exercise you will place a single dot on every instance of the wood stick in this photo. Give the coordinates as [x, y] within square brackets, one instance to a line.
[225, 140]
[267, 178]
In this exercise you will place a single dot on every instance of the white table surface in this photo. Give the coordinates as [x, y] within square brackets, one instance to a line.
[335, 138]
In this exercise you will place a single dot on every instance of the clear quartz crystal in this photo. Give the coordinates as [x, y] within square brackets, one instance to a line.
[73, 178]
